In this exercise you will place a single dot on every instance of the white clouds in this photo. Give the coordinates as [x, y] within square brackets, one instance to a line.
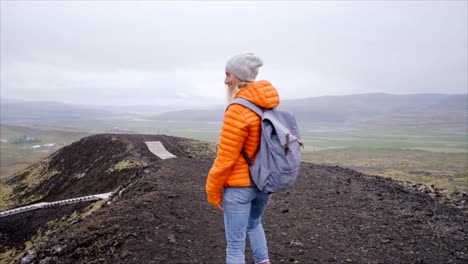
[195, 86]
[126, 52]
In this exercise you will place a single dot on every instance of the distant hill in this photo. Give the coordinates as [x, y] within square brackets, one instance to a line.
[43, 111]
[364, 109]
[139, 109]
[378, 109]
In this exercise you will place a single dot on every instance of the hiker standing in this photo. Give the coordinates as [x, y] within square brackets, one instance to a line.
[229, 186]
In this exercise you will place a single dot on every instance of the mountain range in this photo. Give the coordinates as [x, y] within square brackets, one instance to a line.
[365, 109]
[371, 109]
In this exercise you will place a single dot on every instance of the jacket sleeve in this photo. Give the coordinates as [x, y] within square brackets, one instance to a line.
[234, 133]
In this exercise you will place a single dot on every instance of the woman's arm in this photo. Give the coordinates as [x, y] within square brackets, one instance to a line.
[233, 135]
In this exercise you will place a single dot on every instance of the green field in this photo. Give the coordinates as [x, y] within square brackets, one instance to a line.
[430, 155]
[433, 156]
[15, 157]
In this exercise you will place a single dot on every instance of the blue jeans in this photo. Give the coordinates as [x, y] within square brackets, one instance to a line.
[243, 210]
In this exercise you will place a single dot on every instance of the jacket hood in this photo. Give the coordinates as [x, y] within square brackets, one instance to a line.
[261, 93]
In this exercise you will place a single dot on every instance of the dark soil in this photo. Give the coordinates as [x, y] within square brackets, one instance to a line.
[15, 230]
[331, 215]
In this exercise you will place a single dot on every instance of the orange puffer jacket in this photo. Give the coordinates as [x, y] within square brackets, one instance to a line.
[241, 129]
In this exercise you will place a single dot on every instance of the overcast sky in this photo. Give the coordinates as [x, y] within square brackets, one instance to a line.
[142, 52]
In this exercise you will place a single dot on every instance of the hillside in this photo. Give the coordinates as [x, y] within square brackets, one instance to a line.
[361, 109]
[19, 111]
[95, 164]
[413, 110]
[160, 213]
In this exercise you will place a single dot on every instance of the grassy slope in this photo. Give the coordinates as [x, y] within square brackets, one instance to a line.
[431, 156]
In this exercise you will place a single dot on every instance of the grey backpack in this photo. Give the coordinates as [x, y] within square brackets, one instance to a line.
[278, 160]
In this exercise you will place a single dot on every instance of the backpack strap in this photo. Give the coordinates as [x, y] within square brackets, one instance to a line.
[246, 157]
[249, 161]
[249, 105]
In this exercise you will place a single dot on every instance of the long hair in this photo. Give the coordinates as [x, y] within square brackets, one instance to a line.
[232, 92]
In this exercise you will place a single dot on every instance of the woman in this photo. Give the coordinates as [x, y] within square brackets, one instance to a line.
[229, 186]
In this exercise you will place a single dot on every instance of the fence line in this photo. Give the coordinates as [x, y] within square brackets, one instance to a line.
[156, 147]
[41, 205]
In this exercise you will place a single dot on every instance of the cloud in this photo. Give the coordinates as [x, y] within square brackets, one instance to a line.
[127, 52]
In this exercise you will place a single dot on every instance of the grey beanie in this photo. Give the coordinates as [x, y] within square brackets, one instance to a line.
[244, 66]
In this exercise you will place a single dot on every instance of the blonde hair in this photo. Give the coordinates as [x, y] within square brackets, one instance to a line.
[231, 93]
[243, 84]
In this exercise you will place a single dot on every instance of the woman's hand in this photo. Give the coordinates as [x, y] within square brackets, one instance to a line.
[220, 208]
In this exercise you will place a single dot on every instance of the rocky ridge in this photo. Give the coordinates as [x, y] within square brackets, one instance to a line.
[160, 215]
